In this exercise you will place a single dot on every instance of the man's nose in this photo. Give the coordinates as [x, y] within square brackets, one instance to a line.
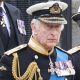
[53, 32]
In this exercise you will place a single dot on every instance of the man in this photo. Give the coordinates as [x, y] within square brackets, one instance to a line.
[40, 59]
[75, 52]
[12, 29]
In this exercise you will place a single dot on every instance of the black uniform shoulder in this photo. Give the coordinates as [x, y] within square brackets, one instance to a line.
[18, 48]
[74, 50]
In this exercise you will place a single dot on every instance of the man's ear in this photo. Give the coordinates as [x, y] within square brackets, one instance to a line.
[33, 27]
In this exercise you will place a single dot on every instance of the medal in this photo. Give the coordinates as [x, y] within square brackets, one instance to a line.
[52, 68]
[64, 68]
[21, 26]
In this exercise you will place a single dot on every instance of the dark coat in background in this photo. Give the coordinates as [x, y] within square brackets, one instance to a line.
[16, 37]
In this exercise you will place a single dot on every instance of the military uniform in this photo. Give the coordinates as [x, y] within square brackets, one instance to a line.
[28, 61]
[33, 61]
[75, 52]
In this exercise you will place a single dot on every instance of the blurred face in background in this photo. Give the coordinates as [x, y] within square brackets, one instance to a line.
[46, 34]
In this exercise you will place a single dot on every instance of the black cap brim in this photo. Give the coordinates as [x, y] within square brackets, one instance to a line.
[76, 17]
[60, 20]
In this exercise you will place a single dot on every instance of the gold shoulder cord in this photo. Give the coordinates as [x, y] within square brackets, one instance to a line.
[29, 73]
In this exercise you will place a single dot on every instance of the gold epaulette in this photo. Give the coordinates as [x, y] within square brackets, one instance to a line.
[15, 49]
[73, 50]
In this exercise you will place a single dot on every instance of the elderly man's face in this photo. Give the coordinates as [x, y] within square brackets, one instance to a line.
[48, 34]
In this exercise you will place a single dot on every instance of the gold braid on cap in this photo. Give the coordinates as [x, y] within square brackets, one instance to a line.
[31, 71]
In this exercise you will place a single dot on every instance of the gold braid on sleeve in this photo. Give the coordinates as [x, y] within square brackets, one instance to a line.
[29, 73]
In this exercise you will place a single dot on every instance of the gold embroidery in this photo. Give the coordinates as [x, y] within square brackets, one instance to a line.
[11, 51]
[29, 73]
[55, 9]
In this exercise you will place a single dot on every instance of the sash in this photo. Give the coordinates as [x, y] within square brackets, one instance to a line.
[61, 56]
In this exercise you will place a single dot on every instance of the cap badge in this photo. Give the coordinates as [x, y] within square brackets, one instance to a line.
[55, 9]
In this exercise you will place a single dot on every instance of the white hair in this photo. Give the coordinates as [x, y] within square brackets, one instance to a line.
[62, 27]
[36, 22]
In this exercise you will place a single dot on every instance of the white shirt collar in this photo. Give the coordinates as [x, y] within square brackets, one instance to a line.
[2, 5]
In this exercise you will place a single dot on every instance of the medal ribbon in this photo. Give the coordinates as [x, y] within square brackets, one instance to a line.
[61, 56]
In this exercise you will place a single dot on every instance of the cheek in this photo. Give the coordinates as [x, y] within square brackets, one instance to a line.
[42, 36]
[59, 34]
[43, 33]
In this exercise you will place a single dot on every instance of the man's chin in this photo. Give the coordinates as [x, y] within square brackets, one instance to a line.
[51, 45]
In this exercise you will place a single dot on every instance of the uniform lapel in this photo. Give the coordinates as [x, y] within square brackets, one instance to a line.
[1, 48]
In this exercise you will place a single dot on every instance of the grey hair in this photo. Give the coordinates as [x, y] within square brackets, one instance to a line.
[36, 22]
[62, 27]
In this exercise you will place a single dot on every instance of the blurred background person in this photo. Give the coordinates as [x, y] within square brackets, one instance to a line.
[75, 52]
[12, 28]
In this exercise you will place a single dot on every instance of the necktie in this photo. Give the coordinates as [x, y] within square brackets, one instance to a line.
[3, 30]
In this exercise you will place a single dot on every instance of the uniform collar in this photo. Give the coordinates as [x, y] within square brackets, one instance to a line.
[38, 47]
[2, 5]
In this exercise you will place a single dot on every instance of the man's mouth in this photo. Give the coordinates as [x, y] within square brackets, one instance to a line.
[52, 39]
